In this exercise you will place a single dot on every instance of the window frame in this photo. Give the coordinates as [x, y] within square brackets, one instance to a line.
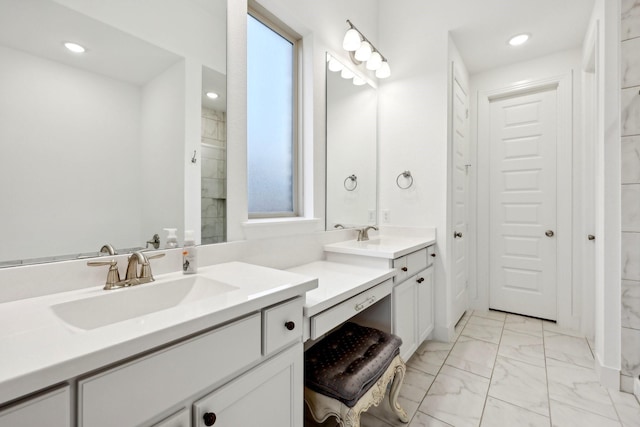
[270, 21]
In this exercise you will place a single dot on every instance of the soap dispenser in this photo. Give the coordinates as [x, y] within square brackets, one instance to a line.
[189, 254]
[172, 239]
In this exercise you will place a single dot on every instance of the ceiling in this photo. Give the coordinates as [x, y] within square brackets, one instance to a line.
[481, 28]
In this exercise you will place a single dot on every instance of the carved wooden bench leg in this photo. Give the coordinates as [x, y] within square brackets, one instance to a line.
[398, 378]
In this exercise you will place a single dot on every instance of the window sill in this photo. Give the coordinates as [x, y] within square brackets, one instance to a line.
[277, 227]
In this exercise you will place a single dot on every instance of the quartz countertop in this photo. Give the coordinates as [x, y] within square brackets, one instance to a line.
[382, 246]
[38, 349]
[338, 282]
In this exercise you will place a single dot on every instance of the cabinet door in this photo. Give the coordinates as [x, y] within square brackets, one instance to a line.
[405, 316]
[179, 419]
[50, 409]
[425, 304]
[268, 395]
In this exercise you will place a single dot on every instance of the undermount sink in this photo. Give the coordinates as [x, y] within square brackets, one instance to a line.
[128, 303]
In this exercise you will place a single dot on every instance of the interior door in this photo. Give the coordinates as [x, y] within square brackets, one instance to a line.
[523, 204]
[460, 169]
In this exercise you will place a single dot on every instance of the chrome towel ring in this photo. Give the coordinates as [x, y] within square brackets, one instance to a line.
[354, 183]
[407, 175]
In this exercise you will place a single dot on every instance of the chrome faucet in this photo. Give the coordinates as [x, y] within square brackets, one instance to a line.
[363, 234]
[145, 276]
[132, 278]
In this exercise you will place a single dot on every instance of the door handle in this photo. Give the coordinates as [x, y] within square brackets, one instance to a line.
[549, 233]
[457, 234]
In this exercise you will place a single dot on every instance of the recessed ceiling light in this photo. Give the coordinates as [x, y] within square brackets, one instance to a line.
[519, 39]
[212, 95]
[74, 47]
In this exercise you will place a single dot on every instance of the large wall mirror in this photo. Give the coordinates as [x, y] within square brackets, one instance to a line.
[351, 147]
[114, 144]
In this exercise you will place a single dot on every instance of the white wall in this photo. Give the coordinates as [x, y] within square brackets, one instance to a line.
[413, 128]
[66, 155]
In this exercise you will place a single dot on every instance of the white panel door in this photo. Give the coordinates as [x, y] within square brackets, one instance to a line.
[460, 198]
[523, 204]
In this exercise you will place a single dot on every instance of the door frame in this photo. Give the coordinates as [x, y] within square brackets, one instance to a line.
[567, 312]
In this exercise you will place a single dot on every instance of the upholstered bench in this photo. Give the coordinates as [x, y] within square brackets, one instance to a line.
[348, 371]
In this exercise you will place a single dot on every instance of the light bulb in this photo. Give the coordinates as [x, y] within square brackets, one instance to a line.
[347, 73]
[335, 65]
[364, 52]
[374, 62]
[384, 71]
[351, 40]
[358, 81]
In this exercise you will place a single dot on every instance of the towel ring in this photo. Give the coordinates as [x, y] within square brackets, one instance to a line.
[354, 182]
[405, 174]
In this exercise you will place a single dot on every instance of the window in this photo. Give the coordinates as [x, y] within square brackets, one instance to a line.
[271, 119]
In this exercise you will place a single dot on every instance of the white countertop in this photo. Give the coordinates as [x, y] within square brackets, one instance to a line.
[383, 246]
[338, 282]
[38, 350]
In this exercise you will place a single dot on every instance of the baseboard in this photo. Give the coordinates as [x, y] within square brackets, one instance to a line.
[608, 377]
[443, 333]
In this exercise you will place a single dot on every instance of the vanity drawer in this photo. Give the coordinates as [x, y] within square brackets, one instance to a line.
[52, 409]
[410, 264]
[281, 325]
[135, 392]
[334, 316]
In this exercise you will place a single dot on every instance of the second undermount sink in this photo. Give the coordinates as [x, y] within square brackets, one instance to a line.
[128, 303]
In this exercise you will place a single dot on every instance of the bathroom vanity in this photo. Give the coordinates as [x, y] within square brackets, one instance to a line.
[232, 354]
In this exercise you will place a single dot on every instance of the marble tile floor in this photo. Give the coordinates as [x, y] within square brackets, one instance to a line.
[505, 370]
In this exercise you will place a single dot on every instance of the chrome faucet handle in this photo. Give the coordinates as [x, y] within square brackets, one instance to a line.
[113, 275]
[108, 249]
[145, 271]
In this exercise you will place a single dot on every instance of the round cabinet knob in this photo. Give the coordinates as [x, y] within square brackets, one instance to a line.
[549, 233]
[209, 418]
[457, 234]
[289, 325]
[404, 269]
[591, 237]
[420, 280]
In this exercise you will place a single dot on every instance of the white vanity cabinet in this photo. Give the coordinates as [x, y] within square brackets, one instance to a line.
[52, 409]
[240, 361]
[413, 311]
[269, 395]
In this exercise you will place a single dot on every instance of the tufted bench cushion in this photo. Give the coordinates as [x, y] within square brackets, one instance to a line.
[345, 364]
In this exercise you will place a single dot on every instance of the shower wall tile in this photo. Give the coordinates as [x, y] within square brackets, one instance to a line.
[630, 23]
[631, 160]
[630, 63]
[630, 354]
[631, 207]
[631, 304]
[631, 256]
[630, 111]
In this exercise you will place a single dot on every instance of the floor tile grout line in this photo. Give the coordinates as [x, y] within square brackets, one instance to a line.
[615, 408]
[546, 373]
[493, 368]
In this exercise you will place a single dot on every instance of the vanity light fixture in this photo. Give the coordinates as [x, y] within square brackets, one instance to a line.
[212, 95]
[74, 47]
[362, 50]
[346, 72]
[358, 81]
[519, 39]
[335, 65]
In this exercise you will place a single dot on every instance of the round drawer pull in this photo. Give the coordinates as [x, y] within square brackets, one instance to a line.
[290, 325]
[209, 418]
[404, 269]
